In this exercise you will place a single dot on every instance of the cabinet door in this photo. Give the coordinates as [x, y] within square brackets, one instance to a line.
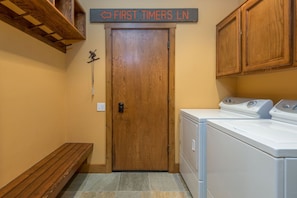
[228, 47]
[295, 34]
[266, 34]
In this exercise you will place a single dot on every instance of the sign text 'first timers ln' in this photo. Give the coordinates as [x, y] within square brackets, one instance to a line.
[143, 15]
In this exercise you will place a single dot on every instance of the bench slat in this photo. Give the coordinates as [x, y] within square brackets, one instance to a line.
[27, 173]
[61, 181]
[43, 174]
[36, 171]
[63, 171]
[48, 177]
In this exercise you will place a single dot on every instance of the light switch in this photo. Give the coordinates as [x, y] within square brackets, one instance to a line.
[100, 106]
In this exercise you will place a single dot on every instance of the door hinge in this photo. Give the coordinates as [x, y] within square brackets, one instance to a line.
[168, 44]
[168, 149]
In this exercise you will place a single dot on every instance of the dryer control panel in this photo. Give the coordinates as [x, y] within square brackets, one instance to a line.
[258, 108]
[285, 111]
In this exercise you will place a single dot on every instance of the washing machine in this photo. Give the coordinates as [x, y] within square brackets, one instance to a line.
[193, 124]
[254, 158]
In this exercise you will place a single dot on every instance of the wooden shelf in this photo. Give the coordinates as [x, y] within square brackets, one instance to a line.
[58, 23]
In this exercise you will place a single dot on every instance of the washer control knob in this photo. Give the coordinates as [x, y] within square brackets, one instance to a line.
[286, 106]
[251, 103]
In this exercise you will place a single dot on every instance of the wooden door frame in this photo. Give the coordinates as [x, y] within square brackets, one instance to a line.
[172, 167]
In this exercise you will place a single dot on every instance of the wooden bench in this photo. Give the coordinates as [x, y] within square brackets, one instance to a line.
[49, 176]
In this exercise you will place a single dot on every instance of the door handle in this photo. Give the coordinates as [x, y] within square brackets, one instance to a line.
[121, 107]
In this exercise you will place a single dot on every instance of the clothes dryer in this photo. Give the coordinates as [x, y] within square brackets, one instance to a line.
[254, 158]
[193, 124]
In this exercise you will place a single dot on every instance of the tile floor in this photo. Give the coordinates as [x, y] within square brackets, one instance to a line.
[126, 185]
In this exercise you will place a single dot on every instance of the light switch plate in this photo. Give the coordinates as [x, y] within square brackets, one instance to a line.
[100, 106]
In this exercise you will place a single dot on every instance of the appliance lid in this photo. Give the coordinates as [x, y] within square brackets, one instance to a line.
[276, 138]
[202, 115]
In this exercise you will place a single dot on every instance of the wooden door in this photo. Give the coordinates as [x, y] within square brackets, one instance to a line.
[267, 34]
[229, 45]
[140, 85]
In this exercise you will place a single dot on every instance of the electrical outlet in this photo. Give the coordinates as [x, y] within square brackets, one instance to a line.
[100, 106]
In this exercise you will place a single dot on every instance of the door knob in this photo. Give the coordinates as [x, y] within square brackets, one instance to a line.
[121, 107]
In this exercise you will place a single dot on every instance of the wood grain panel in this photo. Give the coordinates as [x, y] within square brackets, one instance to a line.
[228, 45]
[140, 81]
[66, 7]
[171, 125]
[267, 34]
[295, 33]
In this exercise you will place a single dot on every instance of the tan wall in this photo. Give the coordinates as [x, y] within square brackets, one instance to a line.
[274, 85]
[195, 68]
[32, 98]
[43, 103]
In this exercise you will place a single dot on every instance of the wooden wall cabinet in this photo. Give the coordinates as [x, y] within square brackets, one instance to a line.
[295, 33]
[58, 23]
[266, 40]
[228, 45]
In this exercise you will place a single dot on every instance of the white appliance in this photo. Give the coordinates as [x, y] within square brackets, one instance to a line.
[193, 124]
[254, 158]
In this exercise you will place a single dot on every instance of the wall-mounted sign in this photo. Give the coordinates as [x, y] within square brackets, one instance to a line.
[143, 15]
